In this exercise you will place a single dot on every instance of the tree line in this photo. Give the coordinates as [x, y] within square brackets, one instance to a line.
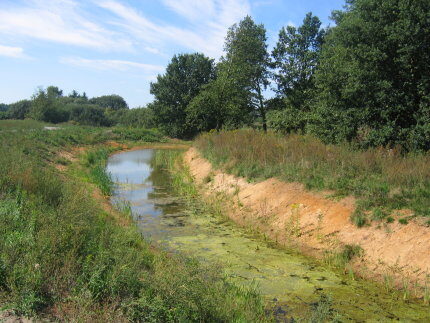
[50, 105]
[365, 80]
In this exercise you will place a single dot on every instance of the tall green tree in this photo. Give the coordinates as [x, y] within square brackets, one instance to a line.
[295, 57]
[245, 67]
[184, 77]
[374, 75]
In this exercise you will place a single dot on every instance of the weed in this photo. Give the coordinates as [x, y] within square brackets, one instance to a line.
[426, 294]
[322, 311]
[388, 283]
[342, 258]
[359, 218]
[379, 214]
[403, 221]
[292, 226]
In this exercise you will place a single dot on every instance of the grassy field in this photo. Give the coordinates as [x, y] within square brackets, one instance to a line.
[382, 180]
[64, 258]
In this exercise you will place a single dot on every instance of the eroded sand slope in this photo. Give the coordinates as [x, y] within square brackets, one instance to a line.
[289, 214]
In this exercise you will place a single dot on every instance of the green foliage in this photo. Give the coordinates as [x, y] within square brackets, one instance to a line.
[53, 92]
[18, 110]
[139, 134]
[296, 57]
[235, 98]
[44, 108]
[373, 77]
[88, 114]
[3, 107]
[51, 106]
[245, 65]
[287, 120]
[184, 77]
[403, 221]
[114, 102]
[136, 118]
[95, 160]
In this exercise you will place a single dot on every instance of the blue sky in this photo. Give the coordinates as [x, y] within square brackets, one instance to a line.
[119, 46]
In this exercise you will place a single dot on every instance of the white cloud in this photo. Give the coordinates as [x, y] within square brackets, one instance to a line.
[208, 19]
[15, 52]
[60, 21]
[112, 25]
[192, 9]
[111, 64]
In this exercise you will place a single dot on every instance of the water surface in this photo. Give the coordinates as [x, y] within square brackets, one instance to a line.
[291, 283]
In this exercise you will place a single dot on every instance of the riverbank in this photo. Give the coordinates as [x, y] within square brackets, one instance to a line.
[394, 254]
[66, 258]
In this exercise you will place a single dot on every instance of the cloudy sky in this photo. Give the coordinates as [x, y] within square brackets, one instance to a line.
[119, 46]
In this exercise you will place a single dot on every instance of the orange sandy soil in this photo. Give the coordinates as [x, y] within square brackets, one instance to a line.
[293, 216]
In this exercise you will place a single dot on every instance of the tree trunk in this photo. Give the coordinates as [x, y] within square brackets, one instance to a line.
[262, 108]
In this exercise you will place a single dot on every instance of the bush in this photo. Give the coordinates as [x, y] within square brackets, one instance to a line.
[139, 134]
[287, 120]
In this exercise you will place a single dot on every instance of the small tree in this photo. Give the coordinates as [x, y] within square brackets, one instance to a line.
[44, 108]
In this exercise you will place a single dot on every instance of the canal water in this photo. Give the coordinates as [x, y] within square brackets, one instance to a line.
[291, 283]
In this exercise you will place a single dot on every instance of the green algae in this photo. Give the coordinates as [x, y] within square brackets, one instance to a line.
[292, 284]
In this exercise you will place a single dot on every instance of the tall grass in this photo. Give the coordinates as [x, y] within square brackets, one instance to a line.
[63, 258]
[95, 161]
[381, 179]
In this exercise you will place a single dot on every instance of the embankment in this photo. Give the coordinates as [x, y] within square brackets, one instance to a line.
[319, 225]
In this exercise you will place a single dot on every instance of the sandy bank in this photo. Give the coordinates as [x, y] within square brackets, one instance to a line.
[316, 224]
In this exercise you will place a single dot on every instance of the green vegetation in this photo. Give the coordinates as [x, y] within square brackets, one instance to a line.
[173, 91]
[362, 87]
[382, 180]
[50, 105]
[95, 161]
[64, 258]
[365, 80]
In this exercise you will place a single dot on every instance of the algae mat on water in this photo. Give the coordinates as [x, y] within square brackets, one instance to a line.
[291, 283]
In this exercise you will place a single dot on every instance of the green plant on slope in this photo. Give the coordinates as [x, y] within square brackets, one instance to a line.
[382, 180]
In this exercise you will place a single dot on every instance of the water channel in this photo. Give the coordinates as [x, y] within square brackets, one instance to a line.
[290, 282]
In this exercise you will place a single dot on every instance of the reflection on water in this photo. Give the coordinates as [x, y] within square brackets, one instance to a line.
[287, 279]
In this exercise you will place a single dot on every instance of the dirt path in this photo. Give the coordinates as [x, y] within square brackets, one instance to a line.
[287, 213]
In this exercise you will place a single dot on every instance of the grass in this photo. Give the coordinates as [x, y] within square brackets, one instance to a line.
[382, 180]
[63, 258]
[22, 124]
[95, 161]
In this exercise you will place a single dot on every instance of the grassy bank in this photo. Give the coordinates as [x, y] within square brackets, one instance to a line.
[382, 180]
[63, 257]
